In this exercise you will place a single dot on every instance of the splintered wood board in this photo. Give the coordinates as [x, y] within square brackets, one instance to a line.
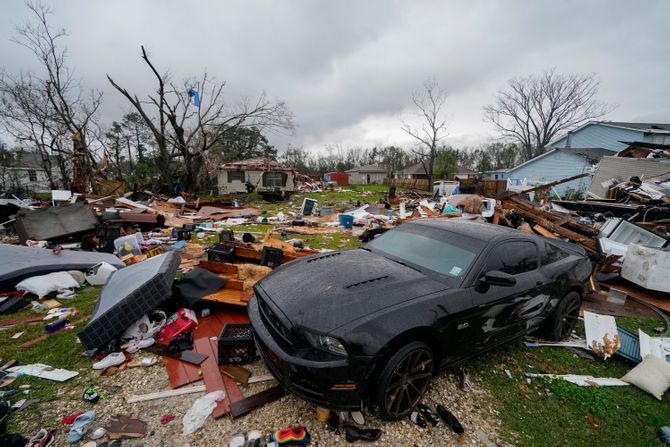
[243, 406]
[229, 296]
[181, 373]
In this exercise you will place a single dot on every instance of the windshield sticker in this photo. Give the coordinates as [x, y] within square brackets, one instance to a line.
[455, 271]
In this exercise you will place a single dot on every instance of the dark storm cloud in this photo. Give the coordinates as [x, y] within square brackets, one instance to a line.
[348, 69]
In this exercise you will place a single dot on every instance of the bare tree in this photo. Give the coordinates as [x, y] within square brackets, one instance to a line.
[185, 131]
[430, 102]
[48, 107]
[27, 115]
[532, 110]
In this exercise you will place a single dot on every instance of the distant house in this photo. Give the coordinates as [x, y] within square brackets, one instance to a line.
[260, 174]
[367, 175]
[554, 165]
[463, 173]
[418, 172]
[338, 177]
[23, 170]
[611, 135]
[414, 172]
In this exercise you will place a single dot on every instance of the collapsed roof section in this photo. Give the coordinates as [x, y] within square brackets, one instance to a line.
[256, 164]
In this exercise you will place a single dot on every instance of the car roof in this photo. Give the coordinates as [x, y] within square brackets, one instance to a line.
[485, 232]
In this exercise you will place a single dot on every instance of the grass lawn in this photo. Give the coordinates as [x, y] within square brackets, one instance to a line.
[60, 350]
[559, 413]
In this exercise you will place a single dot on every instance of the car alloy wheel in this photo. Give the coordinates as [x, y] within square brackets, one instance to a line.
[569, 315]
[406, 378]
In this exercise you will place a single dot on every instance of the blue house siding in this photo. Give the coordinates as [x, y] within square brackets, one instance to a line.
[597, 135]
[551, 166]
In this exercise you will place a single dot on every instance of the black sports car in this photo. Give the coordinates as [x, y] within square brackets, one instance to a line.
[373, 325]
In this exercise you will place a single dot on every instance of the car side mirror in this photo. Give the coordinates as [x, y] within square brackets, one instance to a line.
[498, 278]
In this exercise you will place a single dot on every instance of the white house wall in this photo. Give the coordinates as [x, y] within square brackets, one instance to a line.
[254, 177]
[360, 178]
[13, 177]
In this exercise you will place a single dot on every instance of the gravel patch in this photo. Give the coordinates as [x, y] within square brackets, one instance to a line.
[474, 410]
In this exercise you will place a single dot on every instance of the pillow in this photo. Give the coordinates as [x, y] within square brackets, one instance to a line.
[651, 375]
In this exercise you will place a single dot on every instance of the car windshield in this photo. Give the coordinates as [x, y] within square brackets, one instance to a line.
[437, 250]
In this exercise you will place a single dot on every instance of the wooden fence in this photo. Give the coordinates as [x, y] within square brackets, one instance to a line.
[407, 183]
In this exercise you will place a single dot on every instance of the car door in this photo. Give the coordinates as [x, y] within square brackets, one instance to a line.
[504, 312]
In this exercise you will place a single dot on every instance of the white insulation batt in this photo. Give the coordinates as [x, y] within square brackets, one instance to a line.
[647, 267]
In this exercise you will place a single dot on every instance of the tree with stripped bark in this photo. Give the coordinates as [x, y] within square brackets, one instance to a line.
[185, 129]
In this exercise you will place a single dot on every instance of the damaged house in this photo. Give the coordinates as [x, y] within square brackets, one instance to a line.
[556, 164]
[24, 171]
[256, 174]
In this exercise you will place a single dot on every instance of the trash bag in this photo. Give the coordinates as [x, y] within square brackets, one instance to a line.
[203, 407]
[146, 327]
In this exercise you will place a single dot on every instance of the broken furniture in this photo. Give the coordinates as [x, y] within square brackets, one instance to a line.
[128, 295]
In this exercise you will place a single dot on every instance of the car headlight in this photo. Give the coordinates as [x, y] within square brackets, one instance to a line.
[325, 343]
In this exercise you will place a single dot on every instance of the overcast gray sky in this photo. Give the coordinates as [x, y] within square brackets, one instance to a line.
[347, 69]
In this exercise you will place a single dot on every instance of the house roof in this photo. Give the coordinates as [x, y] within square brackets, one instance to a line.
[28, 159]
[646, 145]
[464, 170]
[368, 168]
[255, 164]
[414, 169]
[640, 127]
[636, 149]
[637, 126]
[592, 155]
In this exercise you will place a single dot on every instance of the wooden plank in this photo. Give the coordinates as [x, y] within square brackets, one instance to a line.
[219, 267]
[250, 403]
[582, 240]
[544, 232]
[206, 343]
[555, 218]
[232, 297]
[234, 284]
[163, 394]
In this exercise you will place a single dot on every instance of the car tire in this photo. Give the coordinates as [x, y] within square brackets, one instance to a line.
[404, 380]
[562, 322]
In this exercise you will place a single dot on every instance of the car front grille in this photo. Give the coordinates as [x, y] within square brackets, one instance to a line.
[281, 333]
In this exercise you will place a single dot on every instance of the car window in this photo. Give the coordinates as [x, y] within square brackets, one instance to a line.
[513, 257]
[424, 249]
[552, 254]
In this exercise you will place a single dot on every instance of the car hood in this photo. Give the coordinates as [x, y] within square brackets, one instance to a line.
[325, 291]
